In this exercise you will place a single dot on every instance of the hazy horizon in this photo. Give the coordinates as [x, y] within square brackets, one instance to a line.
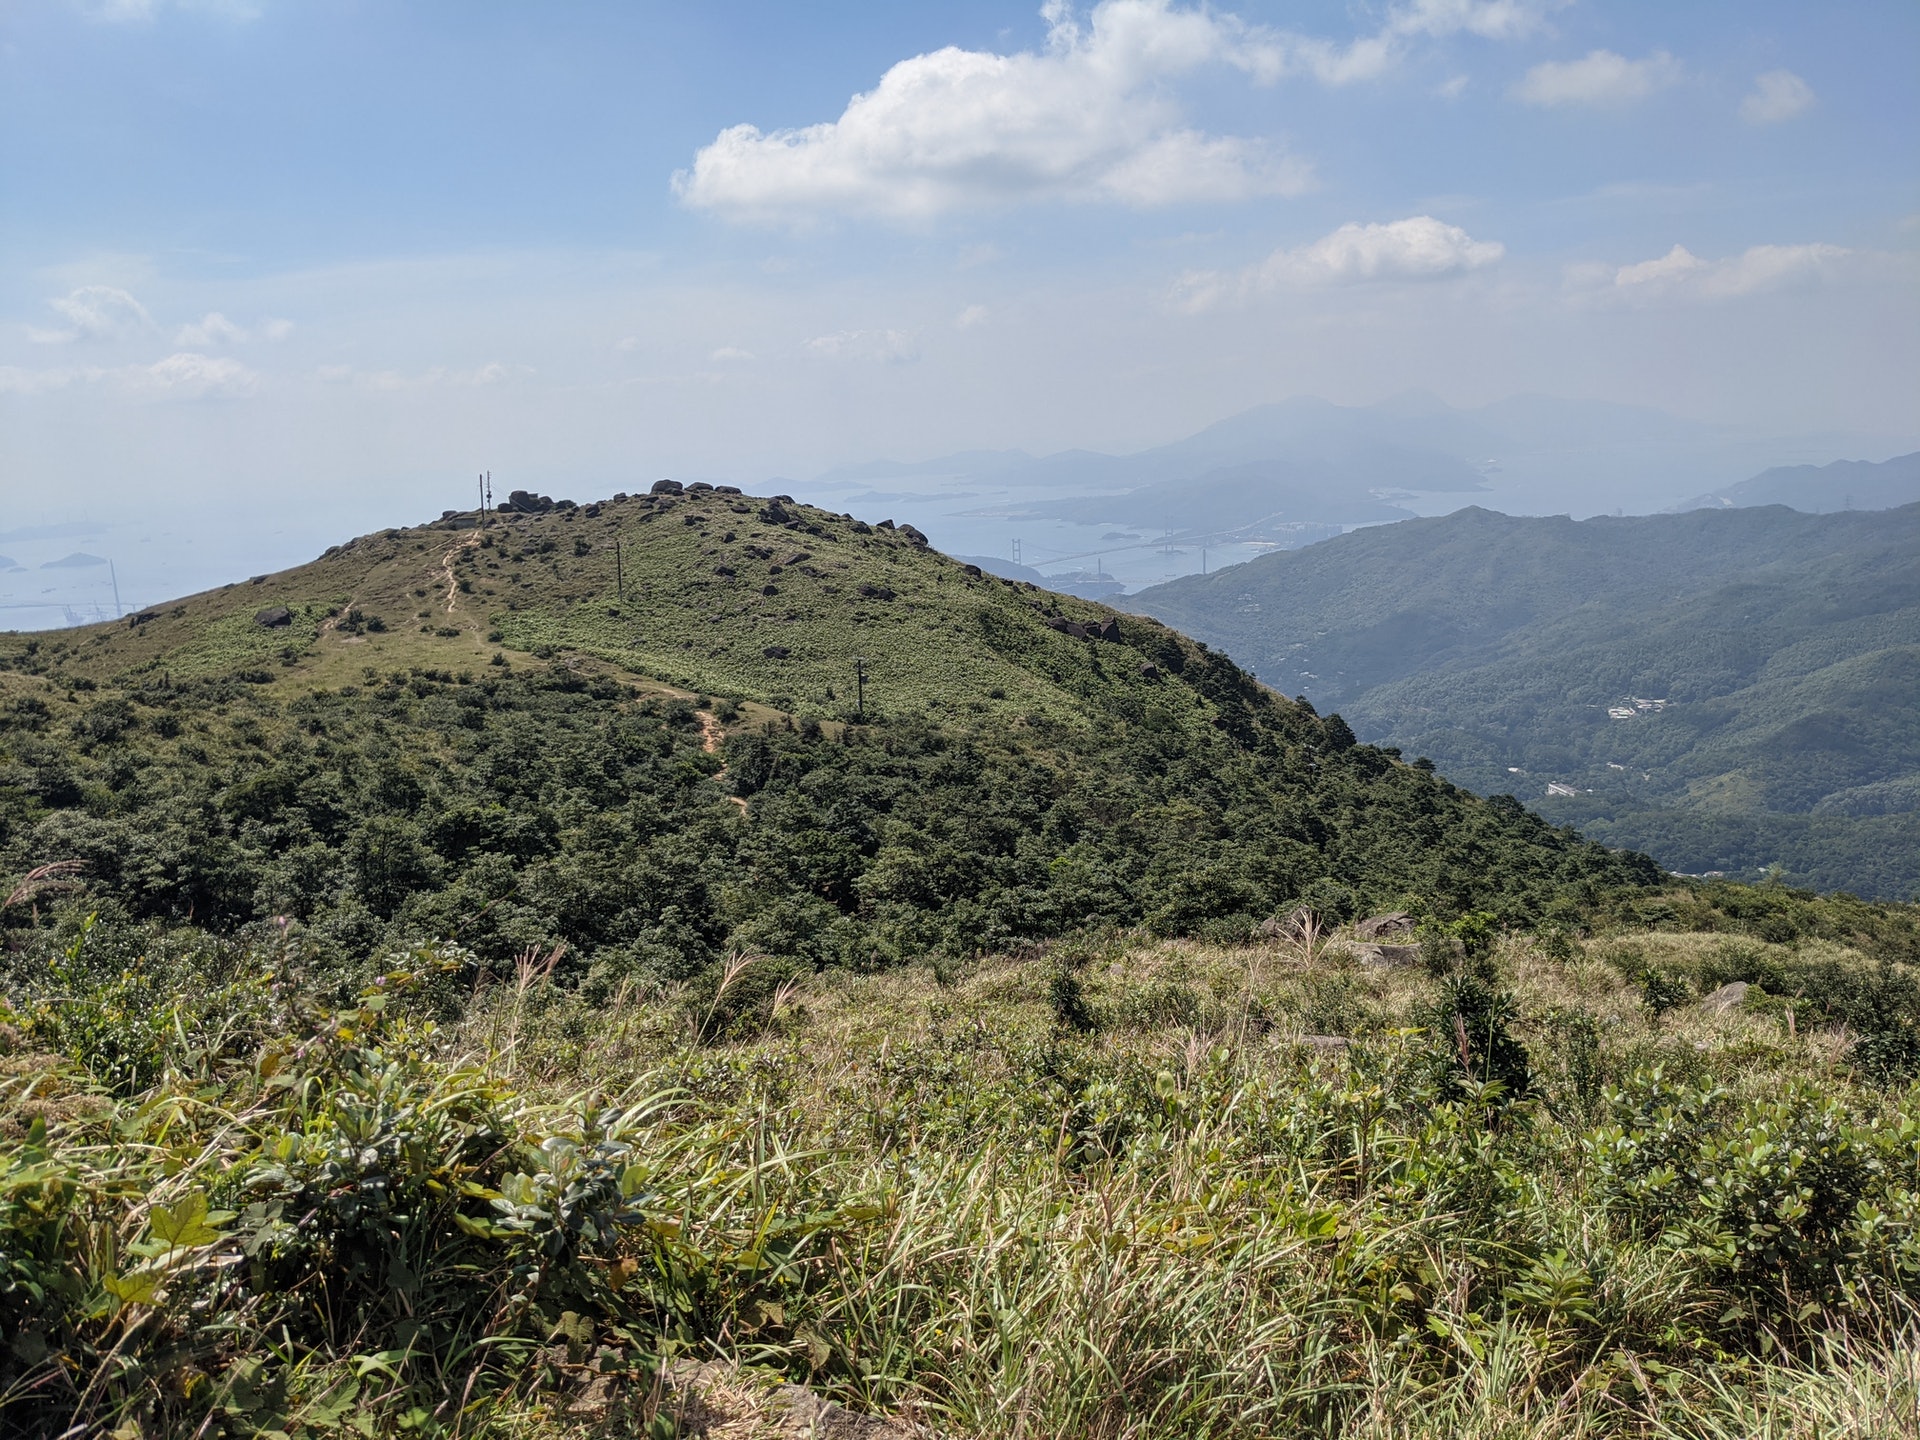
[276, 273]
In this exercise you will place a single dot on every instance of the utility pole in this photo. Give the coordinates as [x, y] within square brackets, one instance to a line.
[860, 689]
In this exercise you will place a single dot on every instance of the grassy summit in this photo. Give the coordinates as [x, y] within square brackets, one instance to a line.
[723, 594]
[550, 729]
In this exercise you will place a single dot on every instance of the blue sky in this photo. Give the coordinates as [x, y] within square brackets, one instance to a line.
[312, 264]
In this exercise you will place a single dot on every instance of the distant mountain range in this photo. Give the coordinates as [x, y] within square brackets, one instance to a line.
[1727, 690]
[1308, 461]
[1818, 489]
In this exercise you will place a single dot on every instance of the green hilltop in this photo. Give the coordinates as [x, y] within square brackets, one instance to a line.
[634, 728]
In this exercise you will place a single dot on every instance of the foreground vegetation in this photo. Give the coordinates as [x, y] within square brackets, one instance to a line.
[562, 1010]
[1125, 1187]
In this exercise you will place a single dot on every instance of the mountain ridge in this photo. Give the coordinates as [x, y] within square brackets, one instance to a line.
[1675, 678]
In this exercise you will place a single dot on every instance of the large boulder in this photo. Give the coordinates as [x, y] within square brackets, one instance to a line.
[1382, 927]
[273, 617]
[1387, 957]
[1728, 997]
[667, 487]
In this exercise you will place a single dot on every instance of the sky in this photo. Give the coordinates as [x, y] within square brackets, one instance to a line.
[276, 272]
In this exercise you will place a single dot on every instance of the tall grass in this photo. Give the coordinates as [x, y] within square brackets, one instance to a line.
[941, 1201]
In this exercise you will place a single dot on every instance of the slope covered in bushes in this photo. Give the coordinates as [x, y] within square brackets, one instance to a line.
[565, 745]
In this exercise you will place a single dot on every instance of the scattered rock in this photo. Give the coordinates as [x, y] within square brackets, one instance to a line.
[1110, 631]
[525, 502]
[876, 592]
[774, 513]
[1379, 927]
[973, 570]
[776, 652]
[913, 536]
[723, 570]
[256, 580]
[698, 485]
[273, 617]
[799, 557]
[884, 525]
[1387, 957]
[1328, 1043]
[665, 487]
[1149, 671]
[143, 617]
[712, 1400]
[860, 527]
[726, 489]
[1730, 996]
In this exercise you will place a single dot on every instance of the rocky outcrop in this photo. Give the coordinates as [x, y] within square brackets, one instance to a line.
[1727, 998]
[1385, 927]
[1387, 957]
[525, 502]
[274, 617]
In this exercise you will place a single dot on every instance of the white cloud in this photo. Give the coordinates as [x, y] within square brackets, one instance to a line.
[889, 347]
[1777, 95]
[1601, 78]
[190, 375]
[185, 375]
[1681, 275]
[1370, 56]
[731, 353]
[213, 329]
[1088, 118]
[1417, 248]
[1452, 89]
[971, 316]
[95, 312]
[133, 12]
[492, 373]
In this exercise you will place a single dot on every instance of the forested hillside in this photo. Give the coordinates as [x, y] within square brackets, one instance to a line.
[1729, 690]
[636, 729]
